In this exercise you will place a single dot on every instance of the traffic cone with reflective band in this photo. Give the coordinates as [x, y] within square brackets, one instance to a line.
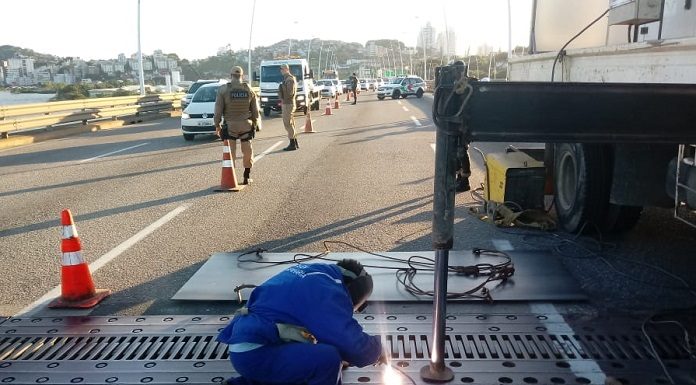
[76, 285]
[337, 105]
[308, 128]
[327, 111]
[348, 96]
[228, 181]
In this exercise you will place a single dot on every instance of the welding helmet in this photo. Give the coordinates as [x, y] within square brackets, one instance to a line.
[358, 282]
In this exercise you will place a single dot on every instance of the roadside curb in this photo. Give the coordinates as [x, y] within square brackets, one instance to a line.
[62, 132]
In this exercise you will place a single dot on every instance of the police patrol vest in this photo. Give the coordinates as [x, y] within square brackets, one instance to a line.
[237, 99]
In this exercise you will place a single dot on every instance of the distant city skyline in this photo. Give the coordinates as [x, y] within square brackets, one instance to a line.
[103, 29]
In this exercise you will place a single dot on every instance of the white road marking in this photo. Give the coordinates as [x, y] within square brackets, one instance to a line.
[108, 257]
[416, 121]
[398, 101]
[114, 152]
[267, 151]
[405, 109]
[550, 309]
[432, 145]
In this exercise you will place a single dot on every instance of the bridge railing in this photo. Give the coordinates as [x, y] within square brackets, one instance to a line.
[75, 112]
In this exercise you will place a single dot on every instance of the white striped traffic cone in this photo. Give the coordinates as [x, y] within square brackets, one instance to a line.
[77, 288]
[228, 180]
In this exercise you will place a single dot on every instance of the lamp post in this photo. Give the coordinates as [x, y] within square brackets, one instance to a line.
[319, 64]
[140, 57]
[507, 74]
[251, 27]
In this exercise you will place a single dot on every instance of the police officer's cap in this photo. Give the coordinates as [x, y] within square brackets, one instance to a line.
[237, 70]
[358, 282]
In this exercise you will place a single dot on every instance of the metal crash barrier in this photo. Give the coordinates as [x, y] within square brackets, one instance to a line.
[46, 115]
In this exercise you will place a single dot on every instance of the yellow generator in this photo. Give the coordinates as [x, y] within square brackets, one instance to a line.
[515, 178]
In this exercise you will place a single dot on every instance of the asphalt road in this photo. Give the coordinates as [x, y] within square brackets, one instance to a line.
[143, 203]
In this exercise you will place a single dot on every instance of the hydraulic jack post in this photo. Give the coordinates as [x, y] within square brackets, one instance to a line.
[446, 164]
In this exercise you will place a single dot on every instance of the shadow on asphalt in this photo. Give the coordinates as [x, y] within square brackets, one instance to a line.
[105, 213]
[102, 179]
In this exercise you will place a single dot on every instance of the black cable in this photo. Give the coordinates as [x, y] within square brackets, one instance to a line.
[562, 50]
[405, 275]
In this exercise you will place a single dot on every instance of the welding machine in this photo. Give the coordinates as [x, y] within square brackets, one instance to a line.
[516, 178]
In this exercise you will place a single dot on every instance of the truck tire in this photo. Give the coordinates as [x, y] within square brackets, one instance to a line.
[396, 94]
[582, 185]
[267, 111]
[419, 93]
[304, 110]
[188, 137]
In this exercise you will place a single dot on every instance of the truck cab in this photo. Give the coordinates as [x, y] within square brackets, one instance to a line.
[269, 78]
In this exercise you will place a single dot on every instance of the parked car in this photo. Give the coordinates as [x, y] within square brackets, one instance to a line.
[328, 89]
[364, 85]
[402, 87]
[345, 84]
[192, 90]
[198, 116]
[338, 85]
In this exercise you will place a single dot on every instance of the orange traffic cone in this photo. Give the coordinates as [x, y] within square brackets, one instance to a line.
[348, 96]
[76, 285]
[327, 111]
[228, 180]
[308, 128]
[337, 105]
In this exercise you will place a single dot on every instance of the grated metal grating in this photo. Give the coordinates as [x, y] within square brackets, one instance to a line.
[479, 349]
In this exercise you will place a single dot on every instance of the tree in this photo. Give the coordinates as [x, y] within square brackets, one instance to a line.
[71, 92]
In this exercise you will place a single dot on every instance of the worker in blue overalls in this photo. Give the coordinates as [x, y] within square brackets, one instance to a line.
[298, 327]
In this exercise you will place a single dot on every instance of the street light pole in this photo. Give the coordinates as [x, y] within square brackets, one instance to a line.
[319, 65]
[140, 57]
[507, 74]
[251, 27]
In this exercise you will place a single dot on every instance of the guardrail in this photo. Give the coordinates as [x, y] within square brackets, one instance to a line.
[46, 115]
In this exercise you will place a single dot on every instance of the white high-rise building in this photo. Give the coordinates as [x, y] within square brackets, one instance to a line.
[447, 43]
[427, 35]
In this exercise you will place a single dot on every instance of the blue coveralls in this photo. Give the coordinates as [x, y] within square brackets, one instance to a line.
[312, 296]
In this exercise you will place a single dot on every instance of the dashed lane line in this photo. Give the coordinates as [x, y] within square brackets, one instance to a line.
[268, 150]
[114, 152]
[405, 109]
[416, 121]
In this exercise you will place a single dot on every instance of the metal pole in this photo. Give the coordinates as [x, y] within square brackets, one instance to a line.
[507, 75]
[425, 61]
[321, 48]
[309, 53]
[140, 57]
[447, 138]
[401, 58]
[251, 28]
[289, 43]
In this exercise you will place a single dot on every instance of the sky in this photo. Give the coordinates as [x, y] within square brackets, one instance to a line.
[195, 29]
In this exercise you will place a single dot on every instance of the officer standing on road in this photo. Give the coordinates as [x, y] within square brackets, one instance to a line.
[355, 85]
[236, 102]
[286, 92]
[298, 327]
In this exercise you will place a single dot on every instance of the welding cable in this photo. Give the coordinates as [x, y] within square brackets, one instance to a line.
[405, 275]
[561, 51]
[402, 373]
[654, 353]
